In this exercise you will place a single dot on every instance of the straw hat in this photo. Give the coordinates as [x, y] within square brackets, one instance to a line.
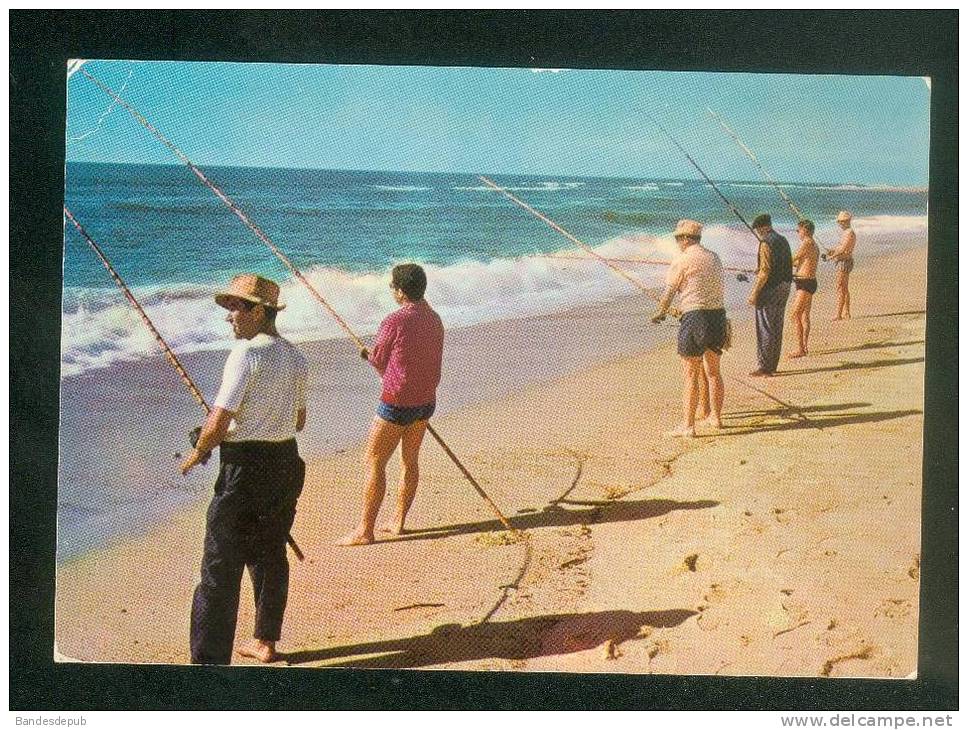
[844, 215]
[686, 227]
[251, 288]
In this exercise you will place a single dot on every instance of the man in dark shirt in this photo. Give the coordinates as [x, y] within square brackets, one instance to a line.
[774, 272]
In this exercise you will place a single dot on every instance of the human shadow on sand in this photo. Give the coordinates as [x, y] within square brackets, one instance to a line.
[526, 638]
[831, 421]
[868, 346]
[891, 314]
[873, 365]
[779, 412]
[554, 515]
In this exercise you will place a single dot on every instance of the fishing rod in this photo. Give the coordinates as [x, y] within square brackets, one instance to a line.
[657, 262]
[263, 236]
[702, 172]
[581, 244]
[749, 153]
[169, 353]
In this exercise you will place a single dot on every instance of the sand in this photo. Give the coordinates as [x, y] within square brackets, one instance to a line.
[786, 544]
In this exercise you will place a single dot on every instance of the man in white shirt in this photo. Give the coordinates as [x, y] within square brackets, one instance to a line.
[697, 276]
[260, 406]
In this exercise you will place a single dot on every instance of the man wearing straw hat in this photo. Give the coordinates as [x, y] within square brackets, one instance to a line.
[260, 406]
[697, 276]
[774, 274]
[843, 255]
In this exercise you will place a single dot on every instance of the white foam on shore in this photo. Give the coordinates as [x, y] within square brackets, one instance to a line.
[99, 327]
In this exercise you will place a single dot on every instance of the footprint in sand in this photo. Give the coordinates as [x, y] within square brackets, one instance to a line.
[894, 608]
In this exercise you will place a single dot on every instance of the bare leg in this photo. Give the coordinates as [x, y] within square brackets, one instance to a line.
[716, 389]
[846, 296]
[841, 295]
[384, 437]
[691, 372]
[704, 409]
[796, 316]
[805, 322]
[409, 454]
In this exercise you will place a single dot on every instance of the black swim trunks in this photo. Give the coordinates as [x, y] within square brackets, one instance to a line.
[701, 330]
[807, 285]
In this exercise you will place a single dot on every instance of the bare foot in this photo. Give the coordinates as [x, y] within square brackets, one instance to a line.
[357, 537]
[393, 528]
[263, 651]
[798, 353]
[714, 422]
[683, 432]
[836, 319]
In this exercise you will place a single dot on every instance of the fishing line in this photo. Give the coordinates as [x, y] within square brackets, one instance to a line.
[262, 236]
[581, 244]
[169, 353]
[704, 175]
[104, 114]
[749, 153]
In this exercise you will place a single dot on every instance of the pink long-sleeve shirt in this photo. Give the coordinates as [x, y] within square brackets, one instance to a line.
[408, 352]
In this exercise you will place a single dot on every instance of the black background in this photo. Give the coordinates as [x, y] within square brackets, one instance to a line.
[921, 43]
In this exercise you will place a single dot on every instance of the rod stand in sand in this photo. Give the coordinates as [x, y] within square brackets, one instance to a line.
[169, 353]
[263, 236]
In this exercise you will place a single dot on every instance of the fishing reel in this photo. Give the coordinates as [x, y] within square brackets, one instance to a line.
[823, 257]
[193, 437]
[742, 277]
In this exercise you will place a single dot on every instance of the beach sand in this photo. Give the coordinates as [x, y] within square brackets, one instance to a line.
[786, 544]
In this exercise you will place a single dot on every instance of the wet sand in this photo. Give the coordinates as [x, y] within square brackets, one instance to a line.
[786, 544]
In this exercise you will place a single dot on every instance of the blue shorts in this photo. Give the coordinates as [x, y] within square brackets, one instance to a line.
[404, 416]
[701, 330]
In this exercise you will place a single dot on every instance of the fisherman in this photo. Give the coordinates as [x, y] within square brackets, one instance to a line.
[697, 276]
[263, 392]
[774, 272]
[407, 354]
[843, 255]
[805, 281]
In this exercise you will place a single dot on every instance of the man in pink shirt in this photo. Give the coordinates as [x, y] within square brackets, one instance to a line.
[407, 354]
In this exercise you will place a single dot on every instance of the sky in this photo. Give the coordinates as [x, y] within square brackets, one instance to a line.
[802, 128]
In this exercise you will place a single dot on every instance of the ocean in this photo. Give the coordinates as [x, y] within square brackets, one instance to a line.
[489, 263]
[175, 243]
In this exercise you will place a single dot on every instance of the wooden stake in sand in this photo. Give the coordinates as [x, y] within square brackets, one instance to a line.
[263, 236]
[169, 353]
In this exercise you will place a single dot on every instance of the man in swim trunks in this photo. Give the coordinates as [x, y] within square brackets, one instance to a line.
[408, 353]
[805, 281]
[697, 276]
[843, 255]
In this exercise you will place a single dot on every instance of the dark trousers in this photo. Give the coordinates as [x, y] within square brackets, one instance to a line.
[248, 521]
[770, 308]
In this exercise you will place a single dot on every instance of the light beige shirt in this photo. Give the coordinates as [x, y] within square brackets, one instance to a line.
[697, 275]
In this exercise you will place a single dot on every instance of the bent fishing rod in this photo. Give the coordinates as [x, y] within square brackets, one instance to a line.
[749, 153]
[169, 353]
[575, 240]
[263, 236]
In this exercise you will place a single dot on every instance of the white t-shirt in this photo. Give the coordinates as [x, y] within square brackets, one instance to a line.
[697, 274]
[264, 385]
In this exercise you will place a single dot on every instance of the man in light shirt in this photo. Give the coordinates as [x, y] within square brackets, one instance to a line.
[260, 406]
[697, 277]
